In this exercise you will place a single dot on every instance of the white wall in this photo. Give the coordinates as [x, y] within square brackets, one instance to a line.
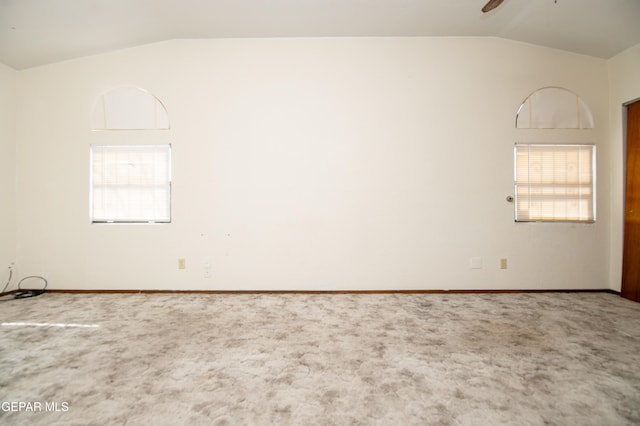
[624, 86]
[7, 170]
[356, 163]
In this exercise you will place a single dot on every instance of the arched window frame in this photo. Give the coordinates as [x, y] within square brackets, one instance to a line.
[554, 108]
[129, 108]
[130, 178]
[555, 182]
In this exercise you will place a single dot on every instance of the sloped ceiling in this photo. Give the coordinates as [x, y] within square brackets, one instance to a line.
[38, 32]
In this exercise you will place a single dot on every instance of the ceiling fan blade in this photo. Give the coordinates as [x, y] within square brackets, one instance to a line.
[491, 4]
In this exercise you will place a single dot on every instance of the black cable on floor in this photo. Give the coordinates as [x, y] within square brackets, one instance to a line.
[23, 293]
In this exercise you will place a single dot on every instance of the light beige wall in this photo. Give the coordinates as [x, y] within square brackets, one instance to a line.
[7, 170]
[356, 163]
[624, 86]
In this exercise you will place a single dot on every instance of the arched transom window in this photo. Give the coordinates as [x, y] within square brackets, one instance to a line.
[554, 108]
[129, 108]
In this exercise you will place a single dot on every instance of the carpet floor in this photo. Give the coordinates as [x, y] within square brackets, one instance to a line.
[336, 359]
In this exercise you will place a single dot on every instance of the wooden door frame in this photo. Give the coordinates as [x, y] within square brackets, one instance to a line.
[625, 125]
[625, 107]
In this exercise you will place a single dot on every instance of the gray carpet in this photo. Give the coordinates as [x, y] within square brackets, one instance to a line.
[374, 359]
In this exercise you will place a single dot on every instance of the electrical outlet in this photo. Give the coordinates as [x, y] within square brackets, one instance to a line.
[475, 263]
[503, 263]
[182, 263]
[207, 269]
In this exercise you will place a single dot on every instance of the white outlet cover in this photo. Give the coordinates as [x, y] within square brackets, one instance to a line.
[475, 263]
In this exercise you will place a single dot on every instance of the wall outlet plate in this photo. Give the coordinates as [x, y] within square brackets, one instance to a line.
[475, 263]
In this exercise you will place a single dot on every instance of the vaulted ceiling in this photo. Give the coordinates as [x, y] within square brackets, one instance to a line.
[38, 32]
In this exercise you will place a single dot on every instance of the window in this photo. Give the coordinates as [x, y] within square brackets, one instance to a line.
[130, 183]
[554, 108]
[555, 182]
[129, 108]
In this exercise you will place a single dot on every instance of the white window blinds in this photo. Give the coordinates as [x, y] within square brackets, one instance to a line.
[130, 183]
[555, 182]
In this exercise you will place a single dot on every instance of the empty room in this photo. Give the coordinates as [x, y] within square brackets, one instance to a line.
[372, 212]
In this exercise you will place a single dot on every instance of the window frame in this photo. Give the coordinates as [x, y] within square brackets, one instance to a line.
[592, 185]
[168, 185]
